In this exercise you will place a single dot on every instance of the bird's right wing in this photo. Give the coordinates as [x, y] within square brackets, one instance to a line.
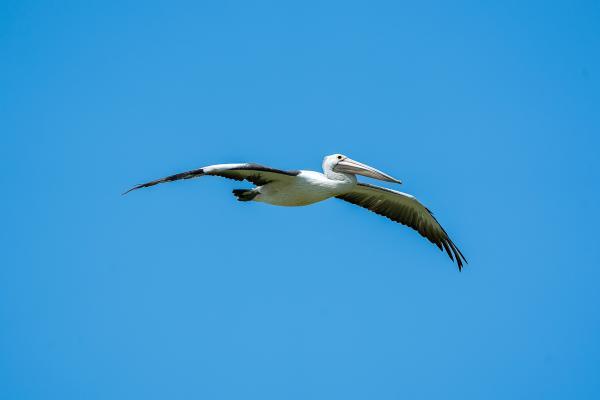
[407, 210]
[254, 173]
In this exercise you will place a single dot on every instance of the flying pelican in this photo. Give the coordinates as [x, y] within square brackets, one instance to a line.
[301, 188]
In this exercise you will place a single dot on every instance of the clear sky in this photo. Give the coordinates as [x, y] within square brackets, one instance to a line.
[488, 111]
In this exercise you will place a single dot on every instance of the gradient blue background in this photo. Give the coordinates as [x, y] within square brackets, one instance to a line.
[489, 113]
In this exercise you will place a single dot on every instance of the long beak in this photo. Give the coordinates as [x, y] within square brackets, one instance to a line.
[349, 166]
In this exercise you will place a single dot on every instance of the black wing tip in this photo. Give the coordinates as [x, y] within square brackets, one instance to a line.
[453, 252]
[141, 185]
[170, 178]
[460, 258]
[131, 190]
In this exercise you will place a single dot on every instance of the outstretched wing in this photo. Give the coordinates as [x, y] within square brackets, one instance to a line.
[257, 174]
[405, 209]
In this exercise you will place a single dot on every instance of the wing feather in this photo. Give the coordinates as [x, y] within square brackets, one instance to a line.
[404, 209]
[254, 173]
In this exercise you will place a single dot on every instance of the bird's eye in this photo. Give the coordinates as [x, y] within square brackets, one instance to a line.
[339, 157]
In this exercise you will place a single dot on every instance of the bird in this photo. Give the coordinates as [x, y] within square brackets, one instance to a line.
[301, 187]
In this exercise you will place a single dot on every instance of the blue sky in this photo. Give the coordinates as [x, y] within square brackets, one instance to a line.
[488, 112]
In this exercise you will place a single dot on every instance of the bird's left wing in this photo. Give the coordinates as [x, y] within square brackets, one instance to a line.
[255, 173]
[407, 210]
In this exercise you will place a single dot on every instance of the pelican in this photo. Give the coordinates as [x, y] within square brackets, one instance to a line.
[301, 188]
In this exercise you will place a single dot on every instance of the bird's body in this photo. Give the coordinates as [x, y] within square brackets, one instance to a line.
[308, 187]
[338, 180]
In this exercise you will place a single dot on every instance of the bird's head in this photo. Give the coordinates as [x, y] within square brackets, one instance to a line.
[341, 164]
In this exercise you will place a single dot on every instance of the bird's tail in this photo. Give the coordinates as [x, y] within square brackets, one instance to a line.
[245, 194]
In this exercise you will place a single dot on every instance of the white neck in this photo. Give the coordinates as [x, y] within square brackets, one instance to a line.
[339, 176]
